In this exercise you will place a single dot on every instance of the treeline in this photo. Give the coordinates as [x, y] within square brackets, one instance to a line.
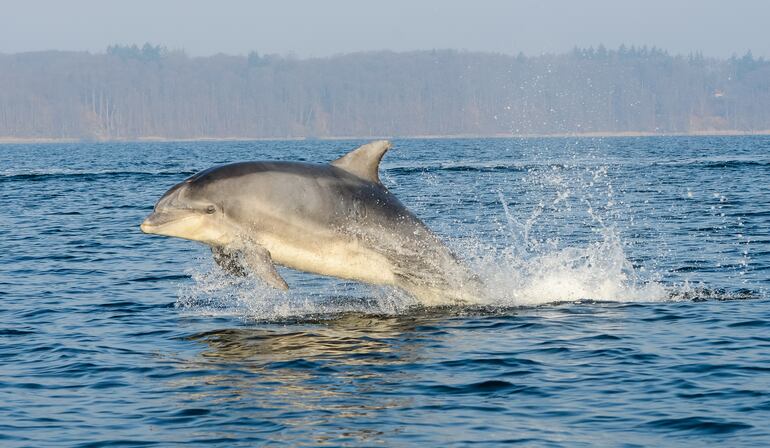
[133, 92]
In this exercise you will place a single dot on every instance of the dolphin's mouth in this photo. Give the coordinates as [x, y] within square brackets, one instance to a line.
[156, 220]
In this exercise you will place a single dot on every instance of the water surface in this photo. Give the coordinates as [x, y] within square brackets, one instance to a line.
[629, 304]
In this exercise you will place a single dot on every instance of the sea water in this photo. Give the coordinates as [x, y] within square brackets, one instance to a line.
[627, 303]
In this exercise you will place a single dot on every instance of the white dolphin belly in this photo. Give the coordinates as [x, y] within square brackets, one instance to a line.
[332, 256]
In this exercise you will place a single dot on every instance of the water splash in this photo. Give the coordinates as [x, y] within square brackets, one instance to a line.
[515, 276]
[539, 260]
[598, 271]
[214, 292]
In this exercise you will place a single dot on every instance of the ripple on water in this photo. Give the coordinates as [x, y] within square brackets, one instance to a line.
[697, 425]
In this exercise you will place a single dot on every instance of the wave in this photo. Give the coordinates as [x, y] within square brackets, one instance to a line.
[485, 166]
[697, 425]
[394, 168]
[48, 174]
[508, 166]
[719, 163]
[480, 167]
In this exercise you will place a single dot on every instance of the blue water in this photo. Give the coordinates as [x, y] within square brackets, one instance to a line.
[629, 303]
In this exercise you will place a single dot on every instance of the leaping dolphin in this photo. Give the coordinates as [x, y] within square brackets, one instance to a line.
[333, 219]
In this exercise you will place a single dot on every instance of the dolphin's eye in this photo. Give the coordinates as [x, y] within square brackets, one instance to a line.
[210, 209]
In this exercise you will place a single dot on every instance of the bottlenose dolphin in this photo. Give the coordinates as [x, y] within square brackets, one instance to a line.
[333, 219]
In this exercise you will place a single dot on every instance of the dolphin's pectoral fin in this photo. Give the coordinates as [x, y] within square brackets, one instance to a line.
[228, 260]
[241, 259]
[258, 260]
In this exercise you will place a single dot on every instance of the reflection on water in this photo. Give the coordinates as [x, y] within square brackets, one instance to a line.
[351, 336]
[320, 373]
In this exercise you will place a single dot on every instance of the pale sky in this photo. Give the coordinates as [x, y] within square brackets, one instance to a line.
[324, 27]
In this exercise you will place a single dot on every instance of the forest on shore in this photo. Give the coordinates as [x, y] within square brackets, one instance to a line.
[133, 92]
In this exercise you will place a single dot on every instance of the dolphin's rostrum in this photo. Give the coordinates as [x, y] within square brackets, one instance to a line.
[332, 219]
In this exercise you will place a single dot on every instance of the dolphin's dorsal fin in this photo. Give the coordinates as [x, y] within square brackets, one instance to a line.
[364, 161]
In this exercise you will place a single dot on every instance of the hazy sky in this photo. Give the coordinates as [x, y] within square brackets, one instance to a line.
[324, 27]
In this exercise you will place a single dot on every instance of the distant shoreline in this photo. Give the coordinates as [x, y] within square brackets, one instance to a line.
[43, 140]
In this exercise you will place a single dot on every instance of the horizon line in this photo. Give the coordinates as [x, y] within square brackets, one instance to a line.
[293, 55]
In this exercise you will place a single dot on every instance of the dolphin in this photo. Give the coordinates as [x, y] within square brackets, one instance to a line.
[334, 219]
